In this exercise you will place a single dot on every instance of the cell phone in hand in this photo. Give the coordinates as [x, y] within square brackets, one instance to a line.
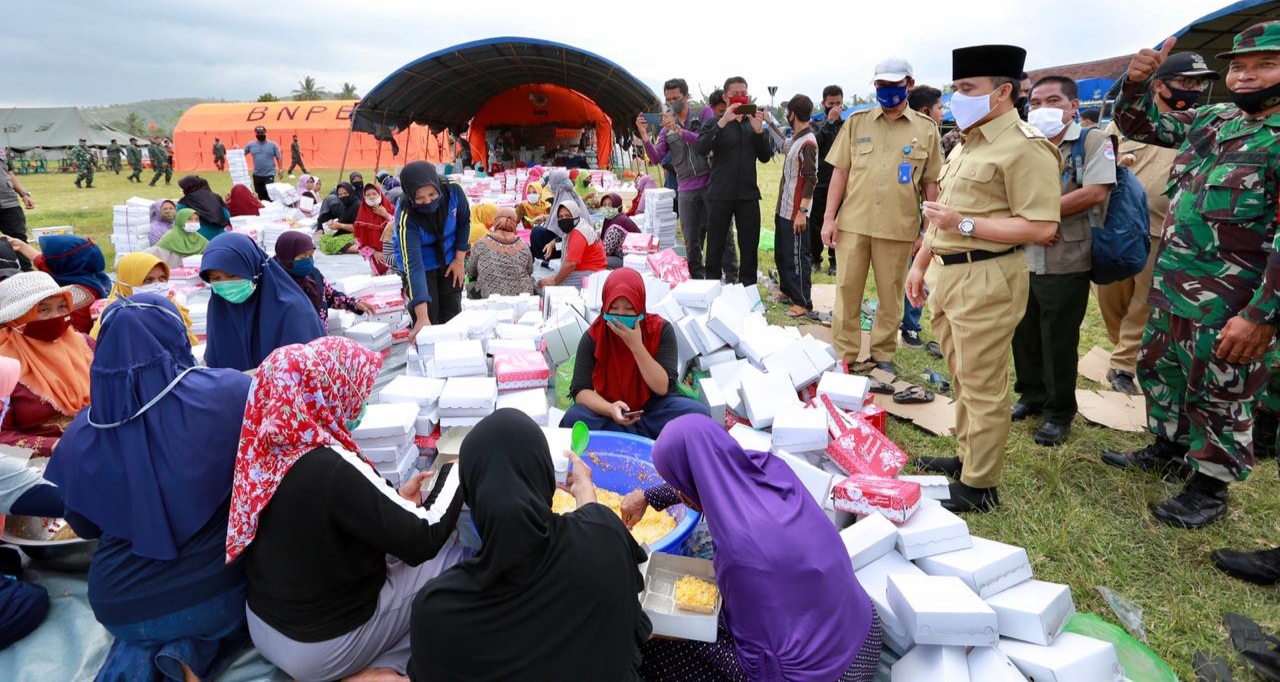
[747, 109]
[653, 120]
[632, 414]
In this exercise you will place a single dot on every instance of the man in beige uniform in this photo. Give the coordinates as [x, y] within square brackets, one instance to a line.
[886, 159]
[1179, 84]
[1000, 190]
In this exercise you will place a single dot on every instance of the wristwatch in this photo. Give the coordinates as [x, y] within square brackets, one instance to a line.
[966, 226]
[804, 210]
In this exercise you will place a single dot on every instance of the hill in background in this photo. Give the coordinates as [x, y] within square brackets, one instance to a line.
[164, 113]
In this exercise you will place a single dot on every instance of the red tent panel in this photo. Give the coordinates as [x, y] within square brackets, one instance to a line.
[541, 104]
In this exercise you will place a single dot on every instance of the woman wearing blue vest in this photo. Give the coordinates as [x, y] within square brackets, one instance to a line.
[433, 220]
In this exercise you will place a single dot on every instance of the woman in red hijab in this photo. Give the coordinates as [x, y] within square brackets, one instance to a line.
[375, 213]
[627, 366]
[241, 201]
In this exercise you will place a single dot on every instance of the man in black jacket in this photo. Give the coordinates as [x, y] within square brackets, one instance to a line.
[826, 131]
[736, 142]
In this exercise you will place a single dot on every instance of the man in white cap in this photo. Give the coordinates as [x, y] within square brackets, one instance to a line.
[887, 160]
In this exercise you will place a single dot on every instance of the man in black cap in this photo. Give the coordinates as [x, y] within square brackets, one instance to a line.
[267, 161]
[999, 191]
[1179, 83]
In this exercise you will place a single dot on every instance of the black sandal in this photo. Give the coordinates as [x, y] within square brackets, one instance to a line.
[933, 349]
[913, 396]
[880, 387]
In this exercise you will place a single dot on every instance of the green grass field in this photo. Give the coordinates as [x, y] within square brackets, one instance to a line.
[1083, 523]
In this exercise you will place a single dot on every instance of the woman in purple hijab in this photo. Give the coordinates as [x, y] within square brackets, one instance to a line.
[792, 607]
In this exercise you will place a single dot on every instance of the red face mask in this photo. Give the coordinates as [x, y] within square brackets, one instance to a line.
[47, 330]
[739, 99]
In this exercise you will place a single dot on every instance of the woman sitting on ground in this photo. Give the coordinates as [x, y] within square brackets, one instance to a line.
[295, 252]
[375, 215]
[215, 217]
[143, 273]
[500, 264]
[162, 215]
[333, 553]
[626, 372]
[147, 468]
[558, 592]
[533, 211]
[570, 225]
[339, 220]
[73, 262]
[793, 609]
[183, 240]
[430, 244]
[482, 216]
[241, 201]
[256, 306]
[35, 330]
[643, 184]
[615, 230]
[309, 195]
[582, 185]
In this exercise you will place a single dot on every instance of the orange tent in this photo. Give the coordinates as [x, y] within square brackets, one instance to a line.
[540, 104]
[323, 128]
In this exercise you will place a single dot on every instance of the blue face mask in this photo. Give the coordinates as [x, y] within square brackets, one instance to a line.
[890, 96]
[429, 207]
[303, 267]
[628, 321]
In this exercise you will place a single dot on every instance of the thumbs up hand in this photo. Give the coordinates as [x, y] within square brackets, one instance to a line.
[1148, 61]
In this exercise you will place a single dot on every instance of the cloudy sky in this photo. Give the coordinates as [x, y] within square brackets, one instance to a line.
[146, 49]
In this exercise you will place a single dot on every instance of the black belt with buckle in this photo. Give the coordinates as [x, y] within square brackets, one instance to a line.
[976, 256]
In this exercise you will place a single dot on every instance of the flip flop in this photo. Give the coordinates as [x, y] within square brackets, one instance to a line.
[938, 381]
[796, 311]
[880, 387]
[913, 396]
[862, 367]
[1210, 668]
[933, 349]
[781, 299]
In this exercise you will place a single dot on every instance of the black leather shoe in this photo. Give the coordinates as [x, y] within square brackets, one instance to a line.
[1163, 457]
[1123, 382]
[965, 499]
[1260, 568]
[949, 466]
[1265, 426]
[1021, 411]
[1052, 435]
[1202, 501]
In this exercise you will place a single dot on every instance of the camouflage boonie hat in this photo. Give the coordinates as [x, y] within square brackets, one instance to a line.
[1264, 37]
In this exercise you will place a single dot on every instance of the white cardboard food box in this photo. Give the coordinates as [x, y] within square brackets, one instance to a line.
[562, 335]
[477, 323]
[426, 424]
[711, 395]
[988, 664]
[727, 317]
[381, 421]
[669, 309]
[654, 288]
[660, 575]
[507, 330]
[932, 663]
[847, 391]
[1034, 612]
[764, 395]
[874, 578]
[1071, 658]
[760, 340]
[794, 361]
[931, 487]
[942, 610]
[697, 293]
[532, 402]
[368, 332]
[728, 376]
[988, 567]
[869, 539]
[749, 438]
[495, 346]
[706, 339]
[420, 391]
[532, 318]
[459, 358]
[458, 422]
[800, 429]
[393, 442]
[720, 357]
[932, 530]
[468, 397]
[815, 480]
[430, 335]
[686, 347]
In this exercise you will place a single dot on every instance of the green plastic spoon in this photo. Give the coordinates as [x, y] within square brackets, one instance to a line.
[581, 437]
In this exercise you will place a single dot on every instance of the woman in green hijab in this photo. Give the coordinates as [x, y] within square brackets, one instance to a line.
[182, 241]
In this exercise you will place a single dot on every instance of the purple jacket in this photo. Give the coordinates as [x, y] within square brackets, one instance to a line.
[693, 170]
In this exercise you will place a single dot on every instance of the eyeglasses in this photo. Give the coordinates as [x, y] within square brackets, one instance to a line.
[1188, 83]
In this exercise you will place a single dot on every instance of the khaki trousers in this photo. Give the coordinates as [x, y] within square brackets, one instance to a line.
[1125, 311]
[975, 308]
[855, 253]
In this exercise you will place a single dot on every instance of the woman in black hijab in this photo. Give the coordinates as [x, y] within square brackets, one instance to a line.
[215, 217]
[548, 597]
[432, 226]
[339, 218]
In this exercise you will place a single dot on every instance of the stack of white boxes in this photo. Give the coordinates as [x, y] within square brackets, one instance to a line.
[131, 226]
[421, 391]
[270, 233]
[239, 168]
[198, 311]
[385, 436]
[660, 215]
[374, 336]
[467, 400]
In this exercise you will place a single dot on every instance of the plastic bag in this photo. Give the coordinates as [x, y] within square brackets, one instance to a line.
[564, 377]
[1129, 613]
[1138, 662]
[766, 240]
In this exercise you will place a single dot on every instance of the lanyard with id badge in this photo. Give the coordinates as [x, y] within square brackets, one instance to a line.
[904, 168]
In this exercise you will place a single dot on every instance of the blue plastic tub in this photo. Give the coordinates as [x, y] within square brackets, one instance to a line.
[621, 462]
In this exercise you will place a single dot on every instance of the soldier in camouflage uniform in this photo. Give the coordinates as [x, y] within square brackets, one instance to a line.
[1216, 289]
[113, 157]
[295, 156]
[133, 154]
[161, 162]
[84, 160]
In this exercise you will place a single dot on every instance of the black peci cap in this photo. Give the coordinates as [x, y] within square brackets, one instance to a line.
[988, 60]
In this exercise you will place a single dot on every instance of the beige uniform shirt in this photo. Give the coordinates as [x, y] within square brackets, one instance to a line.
[1152, 167]
[1074, 250]
[1002, 169]
[873, 150]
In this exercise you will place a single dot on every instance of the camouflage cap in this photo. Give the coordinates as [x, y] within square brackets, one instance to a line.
[1264, 37]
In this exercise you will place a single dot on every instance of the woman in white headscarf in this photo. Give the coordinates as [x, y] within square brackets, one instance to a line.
[571, 223]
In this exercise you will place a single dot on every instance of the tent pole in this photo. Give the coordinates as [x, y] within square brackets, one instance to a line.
[342, 171]
[377, 159]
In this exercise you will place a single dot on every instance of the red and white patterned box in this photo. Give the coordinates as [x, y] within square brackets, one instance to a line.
[866, 495]
[862, 449]
[669, 267]
[876, 416]
[385, 304]
[521, 370]
[640, 243]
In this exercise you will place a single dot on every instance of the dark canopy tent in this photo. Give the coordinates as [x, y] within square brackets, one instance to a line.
[1213, 33]
[445, 89]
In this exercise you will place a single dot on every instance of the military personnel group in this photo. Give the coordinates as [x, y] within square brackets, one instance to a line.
[995, 237]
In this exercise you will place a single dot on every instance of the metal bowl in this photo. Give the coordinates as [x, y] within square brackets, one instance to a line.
[32, 533]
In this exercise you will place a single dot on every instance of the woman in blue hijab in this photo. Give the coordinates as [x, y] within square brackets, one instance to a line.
[147, 467]
[256, 306]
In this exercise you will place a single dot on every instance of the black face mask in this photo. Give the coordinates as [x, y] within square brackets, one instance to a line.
[567, 224]
[262, 137]
[1181, 100]
[346, 201]
[1021, 105]
[1254, 102]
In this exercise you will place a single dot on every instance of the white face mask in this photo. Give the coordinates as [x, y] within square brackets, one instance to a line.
[969, 110]
[1048, 121]
[153, 288]
[532, 198]
[191, 227]
[372, 201]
